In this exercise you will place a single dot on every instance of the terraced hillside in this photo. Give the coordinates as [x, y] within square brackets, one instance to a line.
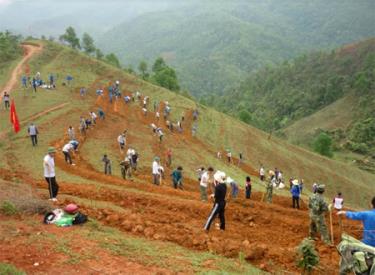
[160, 213]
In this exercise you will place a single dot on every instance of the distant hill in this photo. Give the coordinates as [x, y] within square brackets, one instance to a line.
[331, 92]
[215, 46]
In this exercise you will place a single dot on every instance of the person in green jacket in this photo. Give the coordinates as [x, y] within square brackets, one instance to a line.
[177, 178]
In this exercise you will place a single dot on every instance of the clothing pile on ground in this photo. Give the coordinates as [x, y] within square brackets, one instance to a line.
[65, 217]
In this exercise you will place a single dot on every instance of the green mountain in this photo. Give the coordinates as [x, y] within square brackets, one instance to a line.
[215, 45]
[331, 92]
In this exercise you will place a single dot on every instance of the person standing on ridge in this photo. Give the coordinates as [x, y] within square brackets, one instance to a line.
[248, 187]
[6, 99]
[49, 173]
[219, 204]
[205, 180]
[262, 173]
[338, 202]
[296, 193]
[269, 186]
[71, 133]
[121, 141]
[107, 165]
[33, 132]
[157, 171]
[318, 207]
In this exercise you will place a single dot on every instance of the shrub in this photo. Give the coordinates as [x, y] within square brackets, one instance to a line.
[307, 255]
[8, 269]
[323, 145]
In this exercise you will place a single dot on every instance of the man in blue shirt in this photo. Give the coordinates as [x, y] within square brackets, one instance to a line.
[368, 219]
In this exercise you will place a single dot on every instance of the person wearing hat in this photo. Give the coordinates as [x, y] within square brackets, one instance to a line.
[296, 193]
[318, 207]
[269, 186]
[49, 173]
[177, 178]
[219, 204]
[157, 171]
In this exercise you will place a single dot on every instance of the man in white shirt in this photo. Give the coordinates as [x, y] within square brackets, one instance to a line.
[32, 130]
[66, 151]
[262, 173]
[157, 171]
[49, 173]
[206, 179]
[93, 117]
[121, 141]
[338, 202]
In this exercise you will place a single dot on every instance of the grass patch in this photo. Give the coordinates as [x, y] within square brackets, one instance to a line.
[8, 208]
[8, 269]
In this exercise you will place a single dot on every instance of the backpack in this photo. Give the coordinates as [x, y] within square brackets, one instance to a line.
[80, 218]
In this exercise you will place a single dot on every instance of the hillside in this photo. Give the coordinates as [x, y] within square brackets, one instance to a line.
[143, 218]
[215, 46]
[318, 92]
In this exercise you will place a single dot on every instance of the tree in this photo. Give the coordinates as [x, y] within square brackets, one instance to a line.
[9, 46]
[113, 60]
[323, 145]
[99, 54]
[245, 116]
[167, 78]
[308, 256]
[88, 44]
[159, 64]
[142, 67]
[71, 38]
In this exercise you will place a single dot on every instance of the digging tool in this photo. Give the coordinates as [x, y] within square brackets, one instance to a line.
[331, 224]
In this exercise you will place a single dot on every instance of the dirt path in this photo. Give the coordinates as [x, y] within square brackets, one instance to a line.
[28, 52]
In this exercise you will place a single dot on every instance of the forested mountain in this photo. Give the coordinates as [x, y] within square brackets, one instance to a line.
[275, 98]
[215, 45]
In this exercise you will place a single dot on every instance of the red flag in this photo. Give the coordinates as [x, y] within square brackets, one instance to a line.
[14, 118]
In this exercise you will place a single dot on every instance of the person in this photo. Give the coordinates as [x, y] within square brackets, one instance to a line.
[34, 84]
[314, 187]
[205, 180]
[318, 207]
[368, 220]
[248, 187]
[82, 126]
[177, 178]
[93, 117]
[134, 160]
[107, 165]
[6, 99]
[101, 113]
[179, 126]
[218, 155]
[269, 186]
[49, 173]
[262, 173]
[296, 193]
[24, 81]
[219, 204]
[75, 144]
[301, 184]
[125, 168]
[144, 110]
[169, 157]
[280, 178]
[160, 134]
[229, 156]
[240, 159]
[71, 133]
[157, 171]
[195, 114]
[338, 202]
[157, 115]
[33, 132]
[66, 151]
[194, 129]
[200, 172]
[121, 141]
[51, 80]
[233, 187]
